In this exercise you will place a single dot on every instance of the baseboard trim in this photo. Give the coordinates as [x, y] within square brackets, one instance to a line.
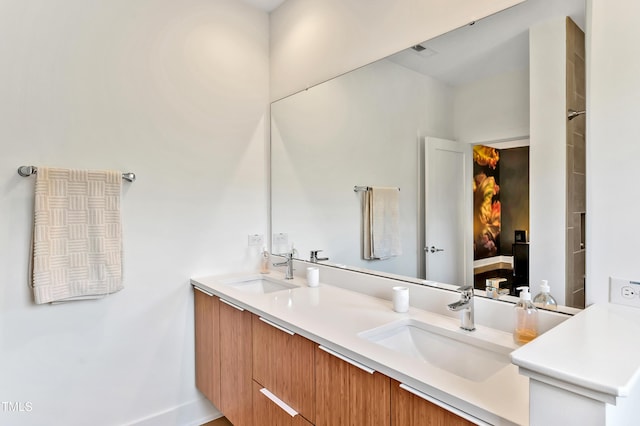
[193, 413]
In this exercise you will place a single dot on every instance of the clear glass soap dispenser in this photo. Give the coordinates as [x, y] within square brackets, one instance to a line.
[264, 262]
[544, 299]
[526, 321]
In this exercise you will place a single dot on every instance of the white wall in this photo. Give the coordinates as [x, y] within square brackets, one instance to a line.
[493, 108]
[361, 129]
[548, 156]
[613, 107]
[313, 41]
[176, 92]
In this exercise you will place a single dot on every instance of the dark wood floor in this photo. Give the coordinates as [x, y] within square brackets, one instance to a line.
[222, 421]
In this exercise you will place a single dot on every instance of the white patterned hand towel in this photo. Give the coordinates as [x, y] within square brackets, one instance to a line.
[381, 223]
[77, 244]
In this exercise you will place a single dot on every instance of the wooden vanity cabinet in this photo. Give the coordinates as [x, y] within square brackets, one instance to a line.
[283, 362]
[223, 338]
[237, 354]
[350, 395]
[236, 386]
[207, 344]
[408, 409]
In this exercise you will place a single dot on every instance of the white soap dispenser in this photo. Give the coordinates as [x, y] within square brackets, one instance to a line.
[544, 299]
[526, 321]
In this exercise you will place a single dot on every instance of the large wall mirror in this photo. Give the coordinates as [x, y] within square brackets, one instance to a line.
[381, 126]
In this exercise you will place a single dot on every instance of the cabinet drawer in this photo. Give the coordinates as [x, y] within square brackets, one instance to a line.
[350, 394]
[409, 409]
[284, 363]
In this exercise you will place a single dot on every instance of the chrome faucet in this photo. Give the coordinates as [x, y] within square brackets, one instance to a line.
[313, 258]
[288, 275]
[465, 304]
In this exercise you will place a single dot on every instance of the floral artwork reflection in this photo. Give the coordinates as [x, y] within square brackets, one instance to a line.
[486, 202]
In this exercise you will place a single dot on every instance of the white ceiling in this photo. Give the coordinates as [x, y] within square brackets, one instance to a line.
[266, 5]
[494, 44]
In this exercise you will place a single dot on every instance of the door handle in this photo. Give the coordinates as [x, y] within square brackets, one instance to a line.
[432, 249]
[347, 359]
[233, 305]
[280, 403]
[274, 325]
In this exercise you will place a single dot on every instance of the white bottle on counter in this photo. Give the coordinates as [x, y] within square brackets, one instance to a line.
[544, 299]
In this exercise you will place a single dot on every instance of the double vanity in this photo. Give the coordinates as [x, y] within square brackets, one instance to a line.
[272, 351]
[418, 358]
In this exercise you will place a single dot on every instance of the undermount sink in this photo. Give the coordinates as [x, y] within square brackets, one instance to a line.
[259, 284]
[458, 353]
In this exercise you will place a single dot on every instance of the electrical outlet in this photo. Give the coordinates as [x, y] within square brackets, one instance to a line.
[281, 239]
[624, 292]
[256, 240]
[628, 292]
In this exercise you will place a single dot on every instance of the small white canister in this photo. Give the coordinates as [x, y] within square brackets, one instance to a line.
[400, 299]
[313, 276]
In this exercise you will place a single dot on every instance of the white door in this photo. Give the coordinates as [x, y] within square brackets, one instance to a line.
[448, 212]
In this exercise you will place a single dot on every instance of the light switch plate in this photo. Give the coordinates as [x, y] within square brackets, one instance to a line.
[256, 240]
[624, 292]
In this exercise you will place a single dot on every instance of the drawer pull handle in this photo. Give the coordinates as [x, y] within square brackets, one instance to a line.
[274, 325]
[290, 411]
[233, 305]
[348, 360]
[444, 405]
[202, 291]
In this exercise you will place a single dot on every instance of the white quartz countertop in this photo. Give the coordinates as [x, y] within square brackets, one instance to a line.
[594, 353]
[333, 317]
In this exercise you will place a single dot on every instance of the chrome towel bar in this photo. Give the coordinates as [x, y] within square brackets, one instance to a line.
[363, 188]
[25, 171]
